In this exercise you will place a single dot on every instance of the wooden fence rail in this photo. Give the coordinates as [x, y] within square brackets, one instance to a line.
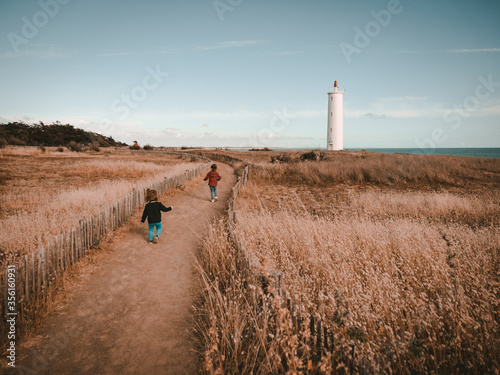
[320, 339]
[37, 270]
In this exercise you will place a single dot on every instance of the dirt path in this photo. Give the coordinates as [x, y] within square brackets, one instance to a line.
[131, 315]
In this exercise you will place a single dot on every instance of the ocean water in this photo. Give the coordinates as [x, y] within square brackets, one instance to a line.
[476, 152]
[469, 151]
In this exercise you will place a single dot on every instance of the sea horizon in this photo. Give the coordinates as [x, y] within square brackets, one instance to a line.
[485, 152]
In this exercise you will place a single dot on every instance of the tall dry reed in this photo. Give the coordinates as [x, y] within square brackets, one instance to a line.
[383, 169]
[242, 329]
[405, 281]
[55, 193]
[409, 294]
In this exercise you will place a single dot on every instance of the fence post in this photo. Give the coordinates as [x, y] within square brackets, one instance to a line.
[27, 277]
[39, 273]
[38, 270]
[4, 279]
[20, 283]
[33, 275]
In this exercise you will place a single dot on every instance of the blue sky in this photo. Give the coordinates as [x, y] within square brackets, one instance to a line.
[255, 73]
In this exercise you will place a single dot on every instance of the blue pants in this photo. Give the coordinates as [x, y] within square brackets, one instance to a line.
[213, 191]
[152, 228]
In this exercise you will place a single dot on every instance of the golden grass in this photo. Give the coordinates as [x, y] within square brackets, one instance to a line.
[234, 324]
[45, 194]
[406, 279]
[385, 169]
[399, 281]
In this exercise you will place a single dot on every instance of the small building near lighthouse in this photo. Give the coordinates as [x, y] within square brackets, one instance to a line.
[335, 137]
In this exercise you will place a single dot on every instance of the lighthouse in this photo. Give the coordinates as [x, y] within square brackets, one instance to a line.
[335, 119]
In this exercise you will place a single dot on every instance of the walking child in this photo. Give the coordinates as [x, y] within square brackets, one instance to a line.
[213, 177]
[152, 211]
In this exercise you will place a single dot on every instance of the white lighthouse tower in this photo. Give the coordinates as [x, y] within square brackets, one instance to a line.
[335, 119]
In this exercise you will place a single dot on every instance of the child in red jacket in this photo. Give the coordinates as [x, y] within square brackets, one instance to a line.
[213, 177]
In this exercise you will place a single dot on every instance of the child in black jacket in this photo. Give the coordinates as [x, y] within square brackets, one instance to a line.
[152, 211]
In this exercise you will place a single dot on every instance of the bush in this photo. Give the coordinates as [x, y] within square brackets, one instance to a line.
[16, 142]
[313, 155]
[260, 149]
[41, 148]
[60, 149]
[73, 146]
[135, 146]
[3, 143]
[95, 147]
[281, 158]
[148, 147]
[21, 134]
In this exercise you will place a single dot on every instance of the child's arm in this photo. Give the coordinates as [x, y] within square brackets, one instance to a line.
[219, 177]
[144, 215]
[166, 209]
[206, 177]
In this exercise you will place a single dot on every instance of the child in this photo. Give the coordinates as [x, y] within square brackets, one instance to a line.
[152, 211]
[212, 178]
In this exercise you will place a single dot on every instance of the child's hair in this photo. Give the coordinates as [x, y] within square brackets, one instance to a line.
[214, 167]
[151, 195]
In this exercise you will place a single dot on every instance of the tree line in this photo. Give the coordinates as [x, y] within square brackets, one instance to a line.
[55, 134]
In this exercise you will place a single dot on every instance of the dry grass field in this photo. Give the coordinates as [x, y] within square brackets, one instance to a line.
[45, 193]
[397, 256]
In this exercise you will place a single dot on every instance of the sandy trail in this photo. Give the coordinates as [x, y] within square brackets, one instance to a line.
[132, 314]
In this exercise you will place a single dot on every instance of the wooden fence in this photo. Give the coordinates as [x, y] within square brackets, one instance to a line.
[320, 339]
[248, 260]
[36, 271]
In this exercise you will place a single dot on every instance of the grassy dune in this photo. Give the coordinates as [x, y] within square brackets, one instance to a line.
[398, 256]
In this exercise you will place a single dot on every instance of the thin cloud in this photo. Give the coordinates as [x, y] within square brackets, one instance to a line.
[119, 54]
[374, 116]
[477, 50]
[415, 107]
[405, 99]
[491, 107]
[231, 44]
[398, 107]
[214, 116]
[287, 53]
[37, 54]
